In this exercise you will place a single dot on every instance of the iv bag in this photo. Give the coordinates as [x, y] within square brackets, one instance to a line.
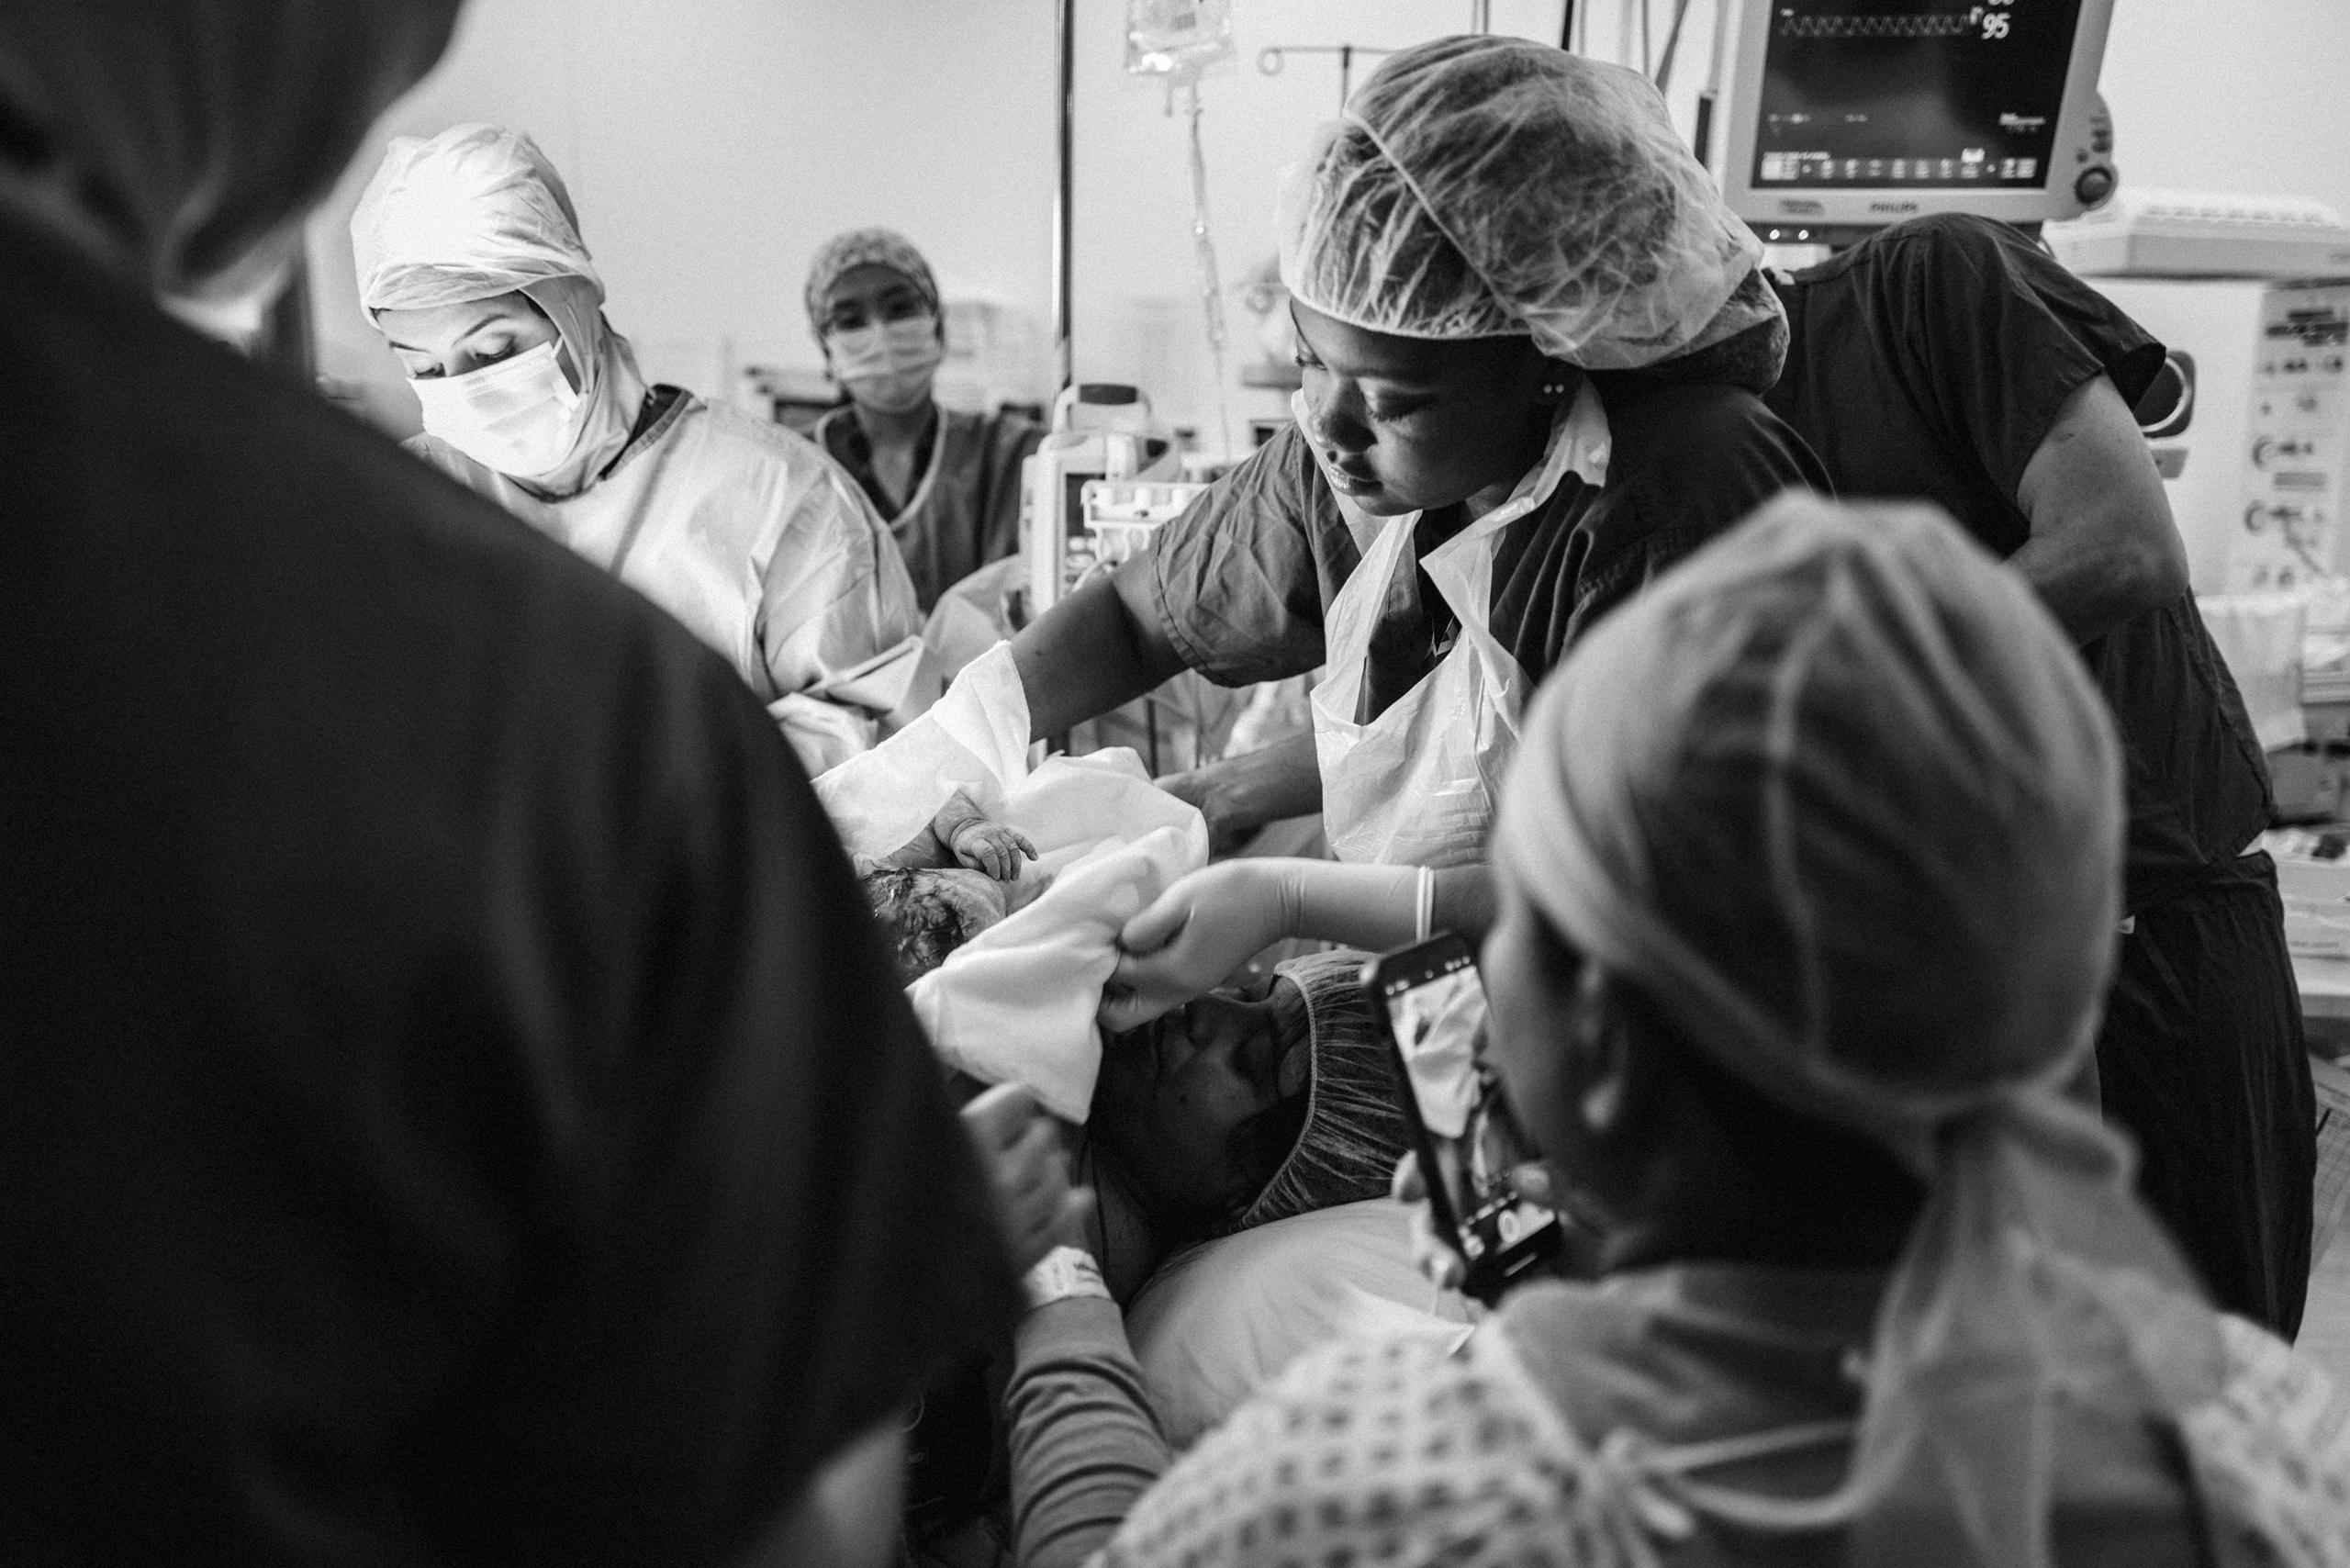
[1177, 38]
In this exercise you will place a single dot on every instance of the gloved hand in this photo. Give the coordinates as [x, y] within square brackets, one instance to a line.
[1022, 1150]
[978, 842]
[1194, 935]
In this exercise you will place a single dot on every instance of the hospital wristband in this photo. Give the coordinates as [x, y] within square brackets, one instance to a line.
[1061, 1274]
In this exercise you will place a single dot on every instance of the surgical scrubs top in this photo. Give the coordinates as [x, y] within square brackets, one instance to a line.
[1242, 580]
[1929, 362]
[964, 509]
[454, 1105]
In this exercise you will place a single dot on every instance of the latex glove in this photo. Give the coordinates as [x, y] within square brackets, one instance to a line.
[976, 842]
[1027, 1163]
[1435, 1254]
[1193, 936]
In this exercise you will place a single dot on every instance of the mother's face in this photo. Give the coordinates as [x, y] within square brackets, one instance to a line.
[1174, 1095]
[1409, 424]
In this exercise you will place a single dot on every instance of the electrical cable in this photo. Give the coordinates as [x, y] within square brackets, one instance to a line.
[1211, 283]
[1672, 42]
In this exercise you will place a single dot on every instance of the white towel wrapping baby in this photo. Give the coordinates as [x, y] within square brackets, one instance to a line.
[1016, 1003]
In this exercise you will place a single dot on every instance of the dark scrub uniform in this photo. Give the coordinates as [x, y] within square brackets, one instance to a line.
[1931, 362]
[964, 508]
[1243, 579]
[428, 1126]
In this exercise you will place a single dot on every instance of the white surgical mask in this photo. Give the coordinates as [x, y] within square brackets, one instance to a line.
[519, 416]
[889, 366]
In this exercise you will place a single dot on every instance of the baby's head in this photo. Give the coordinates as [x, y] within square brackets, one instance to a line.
[1238, 1110]
[927, 915]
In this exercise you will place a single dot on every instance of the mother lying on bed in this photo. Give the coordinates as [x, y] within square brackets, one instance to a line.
[1237, 1110]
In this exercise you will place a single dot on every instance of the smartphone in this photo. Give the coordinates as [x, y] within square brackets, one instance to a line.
[1434, 1004]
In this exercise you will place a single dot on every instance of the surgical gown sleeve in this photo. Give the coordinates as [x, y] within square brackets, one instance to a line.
[1241, 580]
[834, 591]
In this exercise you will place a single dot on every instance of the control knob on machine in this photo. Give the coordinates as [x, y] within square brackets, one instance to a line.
[2095, 184]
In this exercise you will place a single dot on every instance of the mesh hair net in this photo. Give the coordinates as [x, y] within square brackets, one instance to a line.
[475, 212]
[202, 126]
[1355, 1130]
[1838, 795]
[865, 247]
[1487, 186]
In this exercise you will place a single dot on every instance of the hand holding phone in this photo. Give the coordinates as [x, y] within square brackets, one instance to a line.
[1468, 1143]
[1437, 1258]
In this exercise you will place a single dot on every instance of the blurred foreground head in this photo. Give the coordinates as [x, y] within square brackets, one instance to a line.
[1837, 797]
[181, 141]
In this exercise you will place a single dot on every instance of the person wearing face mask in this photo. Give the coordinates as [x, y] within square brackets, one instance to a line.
[947, 481]
[471, 265]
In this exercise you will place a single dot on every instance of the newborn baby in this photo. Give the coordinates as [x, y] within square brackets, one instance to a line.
[957, 877]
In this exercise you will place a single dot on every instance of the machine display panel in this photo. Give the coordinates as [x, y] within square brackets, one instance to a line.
[1875, 95]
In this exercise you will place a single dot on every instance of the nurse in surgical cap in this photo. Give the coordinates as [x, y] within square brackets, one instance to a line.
[947, 480]
[1532, 340]
[471, 265]
[1810, 867]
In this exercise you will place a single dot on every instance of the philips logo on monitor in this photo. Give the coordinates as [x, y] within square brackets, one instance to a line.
[1893, 206]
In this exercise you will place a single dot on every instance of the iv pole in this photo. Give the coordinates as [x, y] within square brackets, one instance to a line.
[1064, 194]
[1271, 59]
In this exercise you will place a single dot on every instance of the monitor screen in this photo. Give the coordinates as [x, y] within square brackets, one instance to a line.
[1875, 95]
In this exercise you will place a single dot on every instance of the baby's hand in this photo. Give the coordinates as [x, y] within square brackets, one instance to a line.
[990, 847]
[976, 842]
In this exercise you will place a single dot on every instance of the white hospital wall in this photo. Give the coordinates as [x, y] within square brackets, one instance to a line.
[712, 144]
[2248, 96]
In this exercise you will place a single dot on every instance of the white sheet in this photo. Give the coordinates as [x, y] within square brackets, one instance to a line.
[973, 738]
[1016, 1003]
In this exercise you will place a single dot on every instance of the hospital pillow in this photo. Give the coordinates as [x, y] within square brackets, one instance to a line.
[1223, 1318]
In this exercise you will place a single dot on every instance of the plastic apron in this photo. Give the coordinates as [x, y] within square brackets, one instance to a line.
[1416, 785]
